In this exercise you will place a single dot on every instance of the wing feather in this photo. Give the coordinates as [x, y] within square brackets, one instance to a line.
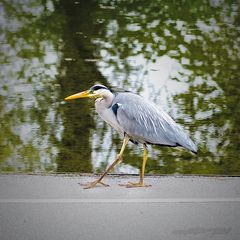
[145, 122]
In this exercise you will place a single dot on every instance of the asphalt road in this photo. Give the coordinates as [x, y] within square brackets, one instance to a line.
[56, 207]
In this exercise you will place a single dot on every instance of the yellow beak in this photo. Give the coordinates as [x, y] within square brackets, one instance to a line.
[83, 94]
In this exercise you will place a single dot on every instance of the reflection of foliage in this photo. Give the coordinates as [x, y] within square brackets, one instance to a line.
[205, 40]
[203, 37]
[27, 80]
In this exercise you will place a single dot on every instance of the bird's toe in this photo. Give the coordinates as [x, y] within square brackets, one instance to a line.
[137, 184]
[93, 184]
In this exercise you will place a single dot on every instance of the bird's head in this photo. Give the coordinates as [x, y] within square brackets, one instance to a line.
[96, 91]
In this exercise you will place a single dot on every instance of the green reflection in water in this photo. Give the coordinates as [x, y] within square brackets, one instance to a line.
[185, 57]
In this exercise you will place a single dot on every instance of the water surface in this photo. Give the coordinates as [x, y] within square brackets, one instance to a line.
[184, 57]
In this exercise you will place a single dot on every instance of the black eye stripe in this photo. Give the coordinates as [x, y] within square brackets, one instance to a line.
[97, 87]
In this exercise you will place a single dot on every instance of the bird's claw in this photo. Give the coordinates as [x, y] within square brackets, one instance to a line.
[132, 185]
[93, 184]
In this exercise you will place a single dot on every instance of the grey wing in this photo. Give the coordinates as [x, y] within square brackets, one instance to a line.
[145, 122]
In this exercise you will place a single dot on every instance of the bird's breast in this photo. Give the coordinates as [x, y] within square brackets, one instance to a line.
[108, 115]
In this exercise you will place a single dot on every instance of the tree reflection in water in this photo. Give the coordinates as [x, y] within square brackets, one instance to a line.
[185, 57]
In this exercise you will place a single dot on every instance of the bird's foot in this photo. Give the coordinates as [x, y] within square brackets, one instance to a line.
[132, 185]
[93, 184]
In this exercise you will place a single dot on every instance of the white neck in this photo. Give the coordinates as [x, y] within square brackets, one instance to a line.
[106, 99]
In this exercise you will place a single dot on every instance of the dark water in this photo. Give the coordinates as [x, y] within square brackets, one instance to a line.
[185, 57]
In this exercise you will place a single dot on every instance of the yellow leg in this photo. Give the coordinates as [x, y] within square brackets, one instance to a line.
[117, 161]
[141, 181]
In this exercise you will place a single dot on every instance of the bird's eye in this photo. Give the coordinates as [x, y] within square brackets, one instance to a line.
[91, 91]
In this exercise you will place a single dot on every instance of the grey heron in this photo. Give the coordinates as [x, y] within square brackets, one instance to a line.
[137, 120]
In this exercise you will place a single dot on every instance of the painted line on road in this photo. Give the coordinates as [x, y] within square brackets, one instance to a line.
[124, 200]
